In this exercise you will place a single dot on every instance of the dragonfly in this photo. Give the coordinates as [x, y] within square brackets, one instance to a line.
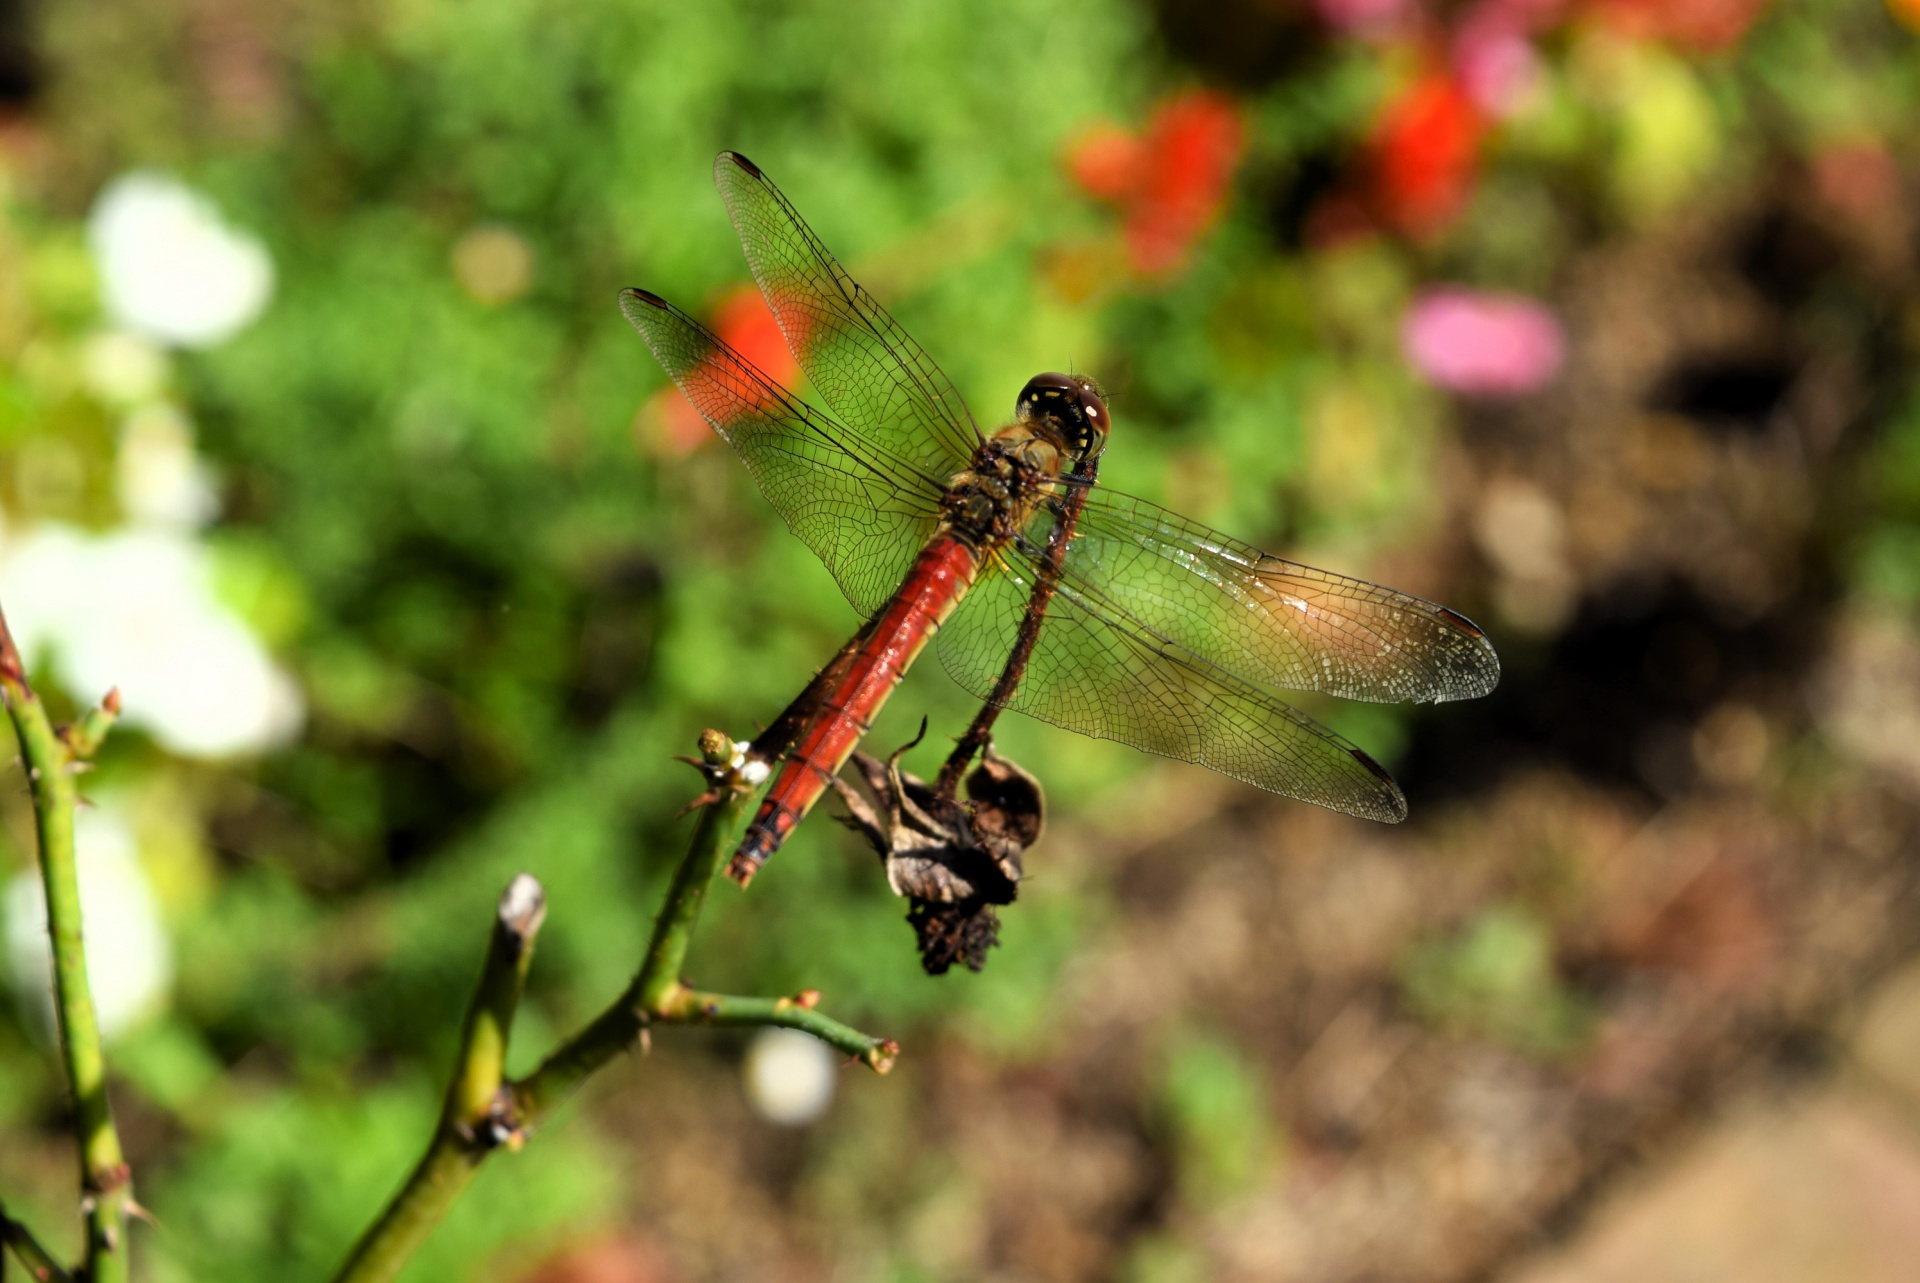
[1042, 591]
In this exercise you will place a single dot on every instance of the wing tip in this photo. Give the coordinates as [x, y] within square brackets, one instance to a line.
[1485, 671]
[737, 160]
[1462, 623]
[633, 294]
[1392, 808]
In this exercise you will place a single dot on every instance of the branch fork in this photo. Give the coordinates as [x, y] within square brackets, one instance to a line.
[486, 1111]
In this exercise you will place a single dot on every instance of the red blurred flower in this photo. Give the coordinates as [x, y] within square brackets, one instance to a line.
[1424, 154]
[1169, 183]
[1859, 178]
[668, 424]
[1703, 26]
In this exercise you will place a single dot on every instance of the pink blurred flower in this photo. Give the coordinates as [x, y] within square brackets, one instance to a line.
[1496, 64]
[1483, 344]
[1494, 55]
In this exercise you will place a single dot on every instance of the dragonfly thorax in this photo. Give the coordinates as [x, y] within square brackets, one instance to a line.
[1013, 470]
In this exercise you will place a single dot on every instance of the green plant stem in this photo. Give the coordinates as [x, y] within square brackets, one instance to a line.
[475, 1119]
[485, 1113]
[693, 1007]
[713, 840]
[623, 1023]
[39, 1263]
[51, 758]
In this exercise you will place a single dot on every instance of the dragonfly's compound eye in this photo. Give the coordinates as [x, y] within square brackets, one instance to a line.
[1073, 405]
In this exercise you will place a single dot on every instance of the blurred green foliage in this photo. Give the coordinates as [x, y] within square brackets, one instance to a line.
[1496, 978]
[1214, 1099]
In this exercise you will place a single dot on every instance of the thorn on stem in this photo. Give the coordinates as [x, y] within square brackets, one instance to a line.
[707, 798]
[807, 999]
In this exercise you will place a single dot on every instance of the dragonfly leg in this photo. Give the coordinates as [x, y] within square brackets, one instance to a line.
[979, 733]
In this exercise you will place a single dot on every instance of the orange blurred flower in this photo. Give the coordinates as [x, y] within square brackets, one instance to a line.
[1106, 162]
[1704, 26]
[667, 425]
[1170, 182]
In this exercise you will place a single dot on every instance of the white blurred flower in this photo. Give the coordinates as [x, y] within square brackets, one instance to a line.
[123, 368]
[136, 609]
[159, 479]
[170, 269]
[129, 959]
[789, 1076]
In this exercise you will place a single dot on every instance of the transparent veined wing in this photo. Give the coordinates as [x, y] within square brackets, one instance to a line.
[1096, 671]
[866, 368]
[864, 512]
[1269, 620]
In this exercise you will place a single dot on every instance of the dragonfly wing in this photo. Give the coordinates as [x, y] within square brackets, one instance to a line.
[864, 513]
[1098, 673]
[1273, 621]
[867, 369]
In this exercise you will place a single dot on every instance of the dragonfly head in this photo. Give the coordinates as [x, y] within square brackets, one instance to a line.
[1070, 407]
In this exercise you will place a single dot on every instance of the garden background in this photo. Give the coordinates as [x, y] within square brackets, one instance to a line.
[322, 438]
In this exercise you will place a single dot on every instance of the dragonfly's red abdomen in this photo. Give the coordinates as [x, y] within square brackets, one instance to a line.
[940, 577]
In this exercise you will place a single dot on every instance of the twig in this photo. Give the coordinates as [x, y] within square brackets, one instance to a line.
[476, 1117]
[485, 1112]
[106, 1187]
[692, 1006]
[617, 1028]
[39, 1262]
